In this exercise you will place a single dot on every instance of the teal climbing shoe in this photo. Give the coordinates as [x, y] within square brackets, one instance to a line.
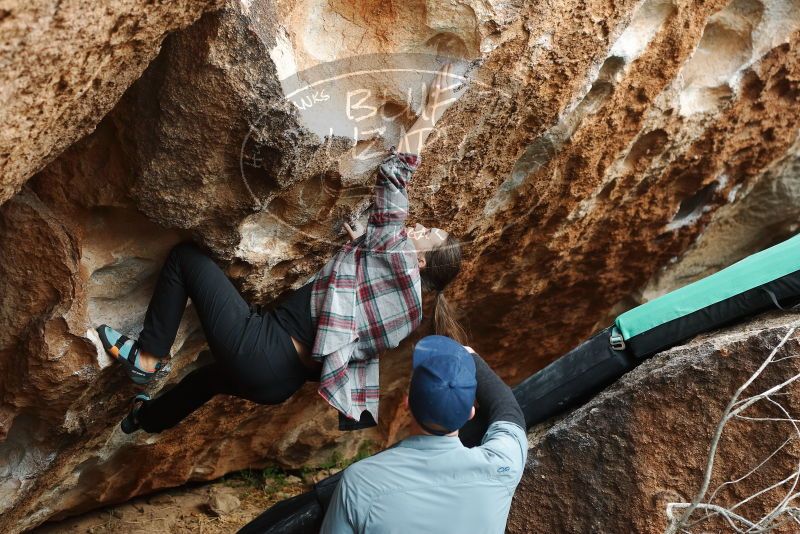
[126, 351]
[131, 424]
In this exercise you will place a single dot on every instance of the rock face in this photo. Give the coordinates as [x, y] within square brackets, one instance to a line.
[614, 464]
[595, 145]
[64, 66]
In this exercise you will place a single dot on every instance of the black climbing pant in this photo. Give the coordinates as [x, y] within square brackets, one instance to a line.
[254, 355]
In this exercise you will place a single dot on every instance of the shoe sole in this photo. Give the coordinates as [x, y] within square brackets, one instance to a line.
[128, 425]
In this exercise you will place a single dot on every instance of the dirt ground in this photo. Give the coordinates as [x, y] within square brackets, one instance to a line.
[222, 506]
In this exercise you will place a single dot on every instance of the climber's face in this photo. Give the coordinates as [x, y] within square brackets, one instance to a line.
[425, 239]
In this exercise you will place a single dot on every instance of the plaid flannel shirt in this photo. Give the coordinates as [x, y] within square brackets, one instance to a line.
[368, 297]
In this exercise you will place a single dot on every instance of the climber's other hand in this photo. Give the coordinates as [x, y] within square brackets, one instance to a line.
[442, 92]
[350, 232]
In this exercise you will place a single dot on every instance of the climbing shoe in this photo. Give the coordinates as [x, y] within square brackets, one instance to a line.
[126, 351]
[131, 424]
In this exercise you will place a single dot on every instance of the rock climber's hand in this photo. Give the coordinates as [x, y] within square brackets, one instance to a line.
[442, 92]
[350, 232]
[441, 95]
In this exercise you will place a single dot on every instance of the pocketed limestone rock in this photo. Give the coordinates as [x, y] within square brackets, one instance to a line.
[64, 66]
[614, 464]
[592, 147]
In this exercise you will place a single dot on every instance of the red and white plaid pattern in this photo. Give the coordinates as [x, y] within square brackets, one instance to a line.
[368, 297]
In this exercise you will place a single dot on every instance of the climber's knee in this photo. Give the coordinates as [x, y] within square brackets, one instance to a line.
[184, 251]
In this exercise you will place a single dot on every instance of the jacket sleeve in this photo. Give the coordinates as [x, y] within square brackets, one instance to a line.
[496, 402]
[504, 439]
[389, 212]
[495, 397]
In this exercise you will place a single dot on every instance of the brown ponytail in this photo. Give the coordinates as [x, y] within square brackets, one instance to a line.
[444, 320]
[442, 264]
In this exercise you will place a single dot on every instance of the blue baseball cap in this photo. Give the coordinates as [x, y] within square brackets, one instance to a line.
[443, 384]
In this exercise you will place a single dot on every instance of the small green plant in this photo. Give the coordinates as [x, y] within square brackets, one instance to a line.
[250, 477]
[337, 461]
[365, 450]
[334, 461]
[273, 472]
[269, 480]
[306, 471]
[273, 479]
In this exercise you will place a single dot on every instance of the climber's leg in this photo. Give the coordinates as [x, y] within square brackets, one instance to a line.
[189, 273]
[255, 356]
[265, 368]
[272, 379]
[173, 406]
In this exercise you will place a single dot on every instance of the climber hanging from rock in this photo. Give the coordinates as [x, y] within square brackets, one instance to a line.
[365, 300]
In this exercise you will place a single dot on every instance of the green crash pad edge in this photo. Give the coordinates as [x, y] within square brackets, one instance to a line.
[748, 273]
